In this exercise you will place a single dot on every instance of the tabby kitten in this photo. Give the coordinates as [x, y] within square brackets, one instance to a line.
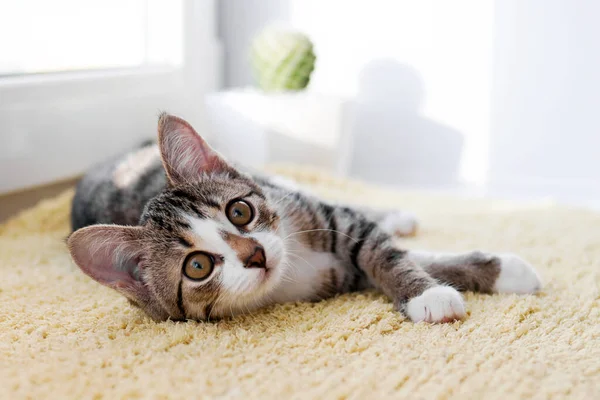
[184, 235]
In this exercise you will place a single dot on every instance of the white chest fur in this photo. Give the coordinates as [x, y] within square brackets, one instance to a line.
[307, 272]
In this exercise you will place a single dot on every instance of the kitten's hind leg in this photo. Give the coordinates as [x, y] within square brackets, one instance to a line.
[480, 272]
[399, 223]
[393, 222]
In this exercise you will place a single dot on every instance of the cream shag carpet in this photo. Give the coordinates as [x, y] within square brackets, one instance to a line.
[64, 336]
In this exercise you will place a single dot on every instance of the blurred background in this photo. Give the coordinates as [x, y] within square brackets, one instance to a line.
[472, 97]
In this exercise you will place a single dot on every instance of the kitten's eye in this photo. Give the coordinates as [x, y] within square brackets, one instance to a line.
[239, 213]
[198, 266]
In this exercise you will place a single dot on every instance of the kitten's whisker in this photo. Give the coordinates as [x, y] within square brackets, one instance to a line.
[289, 269]
[214, 304]
[323, 229]
[283, 198]
[230, 308]
[247, 310]
[300, 257]
[285, 277]
[278, 227]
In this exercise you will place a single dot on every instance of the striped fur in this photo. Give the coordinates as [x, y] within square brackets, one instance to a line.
[314, 249]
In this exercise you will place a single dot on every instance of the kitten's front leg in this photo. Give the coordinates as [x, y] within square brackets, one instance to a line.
[480, 272]
[371, 251]
[414, 291]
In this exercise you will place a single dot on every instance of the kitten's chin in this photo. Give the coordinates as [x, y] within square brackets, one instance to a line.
[255, 295]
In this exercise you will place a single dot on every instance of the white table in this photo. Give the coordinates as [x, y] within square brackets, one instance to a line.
[254, 128]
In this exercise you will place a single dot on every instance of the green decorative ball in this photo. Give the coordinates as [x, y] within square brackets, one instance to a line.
[282, 60]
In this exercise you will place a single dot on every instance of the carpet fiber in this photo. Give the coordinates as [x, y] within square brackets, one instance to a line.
[64, 336]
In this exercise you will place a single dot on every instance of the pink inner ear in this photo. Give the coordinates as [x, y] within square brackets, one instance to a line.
[102, 254]
[185, 154]
[188, 154]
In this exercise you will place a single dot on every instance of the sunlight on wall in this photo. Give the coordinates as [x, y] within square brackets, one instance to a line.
[449, 44]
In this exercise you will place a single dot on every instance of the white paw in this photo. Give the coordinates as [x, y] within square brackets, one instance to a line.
[399, 223]
[438, 304]
[516, 276]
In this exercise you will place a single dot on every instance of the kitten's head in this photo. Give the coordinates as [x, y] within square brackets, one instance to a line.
[210, 245]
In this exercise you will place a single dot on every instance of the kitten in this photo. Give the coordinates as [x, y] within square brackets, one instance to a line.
[183, 234]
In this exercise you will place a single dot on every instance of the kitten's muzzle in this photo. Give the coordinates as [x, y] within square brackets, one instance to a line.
[258, 259]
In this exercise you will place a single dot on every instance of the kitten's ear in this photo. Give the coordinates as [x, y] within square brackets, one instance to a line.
[185, 154]
[110, 255]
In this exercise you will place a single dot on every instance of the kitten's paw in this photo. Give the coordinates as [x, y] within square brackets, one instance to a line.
[400, 223]
[438, 304]
[516, 276]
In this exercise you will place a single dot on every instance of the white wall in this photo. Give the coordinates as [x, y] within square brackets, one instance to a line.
[510, 87]
[546, 95]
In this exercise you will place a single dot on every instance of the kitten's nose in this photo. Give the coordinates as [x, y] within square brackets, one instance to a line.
[258, 259]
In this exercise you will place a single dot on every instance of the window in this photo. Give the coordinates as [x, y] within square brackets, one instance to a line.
[80, 81]
[68, 35]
